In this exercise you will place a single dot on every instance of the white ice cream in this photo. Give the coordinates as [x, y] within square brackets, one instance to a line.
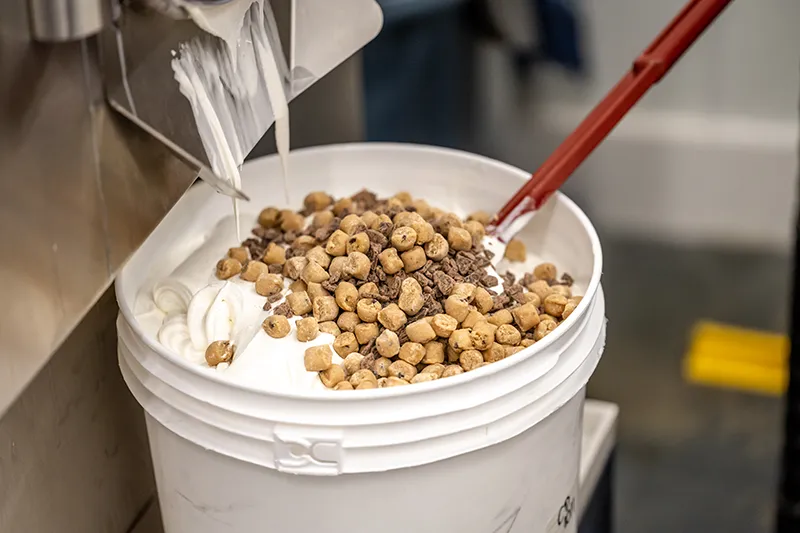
[192, 308]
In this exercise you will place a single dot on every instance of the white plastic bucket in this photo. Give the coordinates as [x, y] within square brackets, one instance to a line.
[492, 450]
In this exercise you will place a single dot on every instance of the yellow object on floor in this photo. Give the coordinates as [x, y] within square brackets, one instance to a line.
[737, 358]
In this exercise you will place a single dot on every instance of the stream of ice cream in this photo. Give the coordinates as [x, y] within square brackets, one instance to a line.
[219, 85]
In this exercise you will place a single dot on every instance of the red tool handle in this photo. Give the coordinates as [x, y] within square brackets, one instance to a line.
[647, 69]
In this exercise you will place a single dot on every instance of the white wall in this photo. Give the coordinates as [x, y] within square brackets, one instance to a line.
[709, 156]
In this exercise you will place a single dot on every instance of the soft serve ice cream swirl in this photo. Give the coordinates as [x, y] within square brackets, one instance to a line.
[191, 308]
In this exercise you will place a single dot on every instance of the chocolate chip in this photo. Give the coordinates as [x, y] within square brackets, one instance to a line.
[294, 252]
[284, 310]
[372, 253]
[421, 279]
[508, 278]
[391, 287]
[274, 298]
[449, 267]
[365, 199]
[481, 261]
[368, 361]
[394, 211]
[377, 238]
[567, 280]
[434, 308]
[444, 282]
[489, 281]
[385, 229]
[327, 230]
[500, 302]
[402, 335]
[527, 279]
[515, 293]
[267, 305]
[268, 235]
[367, 348]
[475, 277]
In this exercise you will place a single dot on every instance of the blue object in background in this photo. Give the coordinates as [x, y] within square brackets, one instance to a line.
[416, 74]
[397, 10]
[559, 31]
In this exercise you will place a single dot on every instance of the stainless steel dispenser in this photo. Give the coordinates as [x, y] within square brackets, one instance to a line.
[81, 187]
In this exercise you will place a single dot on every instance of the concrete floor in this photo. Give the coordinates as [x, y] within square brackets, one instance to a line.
[690, 459]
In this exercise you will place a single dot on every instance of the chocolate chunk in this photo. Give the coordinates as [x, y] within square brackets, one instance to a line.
[275, 269]
[527, 279]
[367, 348]
[274, 298]
[402, 335]
[377, 238]
[500, 302]
[489, 281]
[443, 282]
[267, 305]
[515, 293]
[449, 267]
[365, 199]
[508, 278]
[489, 254]
[385, 229]
[391, 287]
[327, 230]
[255, 248]
[284, 310]
[268, 235]
[434, 308]
[394, 211]
[294, 252]
[329, 285]
[368, 361]
[567, 280]
[475, 277]
[421, 279]
[372, 253]
[481, 261]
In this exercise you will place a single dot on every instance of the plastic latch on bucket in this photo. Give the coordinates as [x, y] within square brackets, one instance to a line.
[319, 455]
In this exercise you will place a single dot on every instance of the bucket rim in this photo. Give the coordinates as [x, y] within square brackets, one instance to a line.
[126, 309]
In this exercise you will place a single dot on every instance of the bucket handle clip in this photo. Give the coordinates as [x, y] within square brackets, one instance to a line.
[298, 454]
